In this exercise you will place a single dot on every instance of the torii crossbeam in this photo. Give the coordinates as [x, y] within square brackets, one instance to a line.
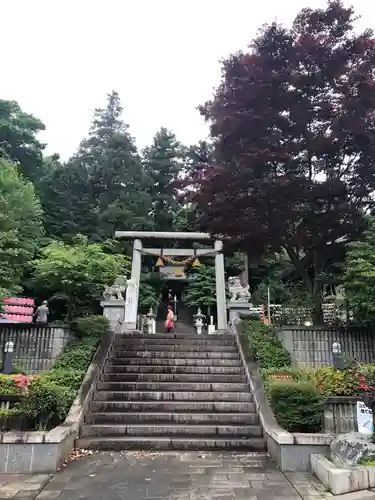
[132, 294]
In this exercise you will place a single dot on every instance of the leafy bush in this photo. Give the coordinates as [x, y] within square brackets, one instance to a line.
[333, 382]
[8, 386]
[297, 374]
[367, 376]
[265, 347]
[50, 394]
[90, 326]
[77, 355]
[298, 406]
[47, 403]
[67, 378]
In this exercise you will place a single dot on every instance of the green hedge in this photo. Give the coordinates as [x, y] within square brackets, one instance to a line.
[265, 347]
[296, 402]
[298, 406]
[50, 394]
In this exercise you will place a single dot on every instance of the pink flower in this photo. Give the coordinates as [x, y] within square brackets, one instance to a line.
[22, 381]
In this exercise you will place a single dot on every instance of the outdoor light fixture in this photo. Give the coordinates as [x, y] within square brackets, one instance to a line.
[337, 358]
[9, 346]
[336, 348]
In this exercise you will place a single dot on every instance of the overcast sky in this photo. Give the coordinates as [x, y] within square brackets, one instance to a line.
[60, 58]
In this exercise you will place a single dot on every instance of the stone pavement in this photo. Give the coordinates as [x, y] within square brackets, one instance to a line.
[22, 486]
[176, 476]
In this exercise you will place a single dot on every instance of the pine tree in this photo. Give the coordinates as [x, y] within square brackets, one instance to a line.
[163, 163]
[201, 289]
[102, 187]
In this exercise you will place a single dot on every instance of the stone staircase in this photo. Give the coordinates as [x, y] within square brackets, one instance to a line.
[173, 391]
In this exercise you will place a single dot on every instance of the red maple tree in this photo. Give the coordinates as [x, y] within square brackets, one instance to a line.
[293, 124]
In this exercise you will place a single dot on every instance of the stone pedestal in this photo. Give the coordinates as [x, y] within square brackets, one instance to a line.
[237, 307]
[114, 311]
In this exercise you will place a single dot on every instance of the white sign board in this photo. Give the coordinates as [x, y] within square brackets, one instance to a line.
[364, 418]
[173, 272]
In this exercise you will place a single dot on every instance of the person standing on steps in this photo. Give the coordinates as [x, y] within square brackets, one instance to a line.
[42, 313]
[169, 322]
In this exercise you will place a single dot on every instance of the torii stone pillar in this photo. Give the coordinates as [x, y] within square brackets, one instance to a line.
[132, 291]
[220, 287]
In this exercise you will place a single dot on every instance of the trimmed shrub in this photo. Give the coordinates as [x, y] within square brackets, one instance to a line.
[47, 404]
[90, 326]
[67, 378]
[8, 386]
[298, 406]
[265, 347]
[297, 374]
[333, 382]
[50, 394]
[77, 355]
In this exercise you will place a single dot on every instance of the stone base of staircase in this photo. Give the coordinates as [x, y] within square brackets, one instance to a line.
[173, 392]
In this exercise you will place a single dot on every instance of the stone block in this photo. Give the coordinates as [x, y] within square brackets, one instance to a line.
[358, 495]
[14, 437]
[349, 449]
[371, 476]
[3, 458]
[339, 480]
[19, 458]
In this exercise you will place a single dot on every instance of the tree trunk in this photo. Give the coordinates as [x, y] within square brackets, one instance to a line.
[313, 286]
[317, 310]
[69, 309]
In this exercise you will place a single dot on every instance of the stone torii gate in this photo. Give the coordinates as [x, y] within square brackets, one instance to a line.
[132, 291]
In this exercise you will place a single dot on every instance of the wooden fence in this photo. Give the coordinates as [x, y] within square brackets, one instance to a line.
[312, 346]
[36, 347]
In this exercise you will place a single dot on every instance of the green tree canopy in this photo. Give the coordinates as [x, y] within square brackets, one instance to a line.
[76, 274]
[201, 289]
[163, 162]
[359, 275]
[18, 139]
[292, 121]
[102, 187]
[20, 227]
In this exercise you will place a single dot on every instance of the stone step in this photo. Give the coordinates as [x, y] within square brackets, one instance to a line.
[175, 354]
[210, 431]
[175, 347]
[173, 418]
[122, 376]
[172, 396]
[121, 337]
[171, 406]
[184, 369]
[161, 341]
[116, 443]
[202, 370]
[171, 386]
[175, 362]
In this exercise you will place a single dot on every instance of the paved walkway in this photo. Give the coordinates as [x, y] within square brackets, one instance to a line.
[176, 476]
[22, 486]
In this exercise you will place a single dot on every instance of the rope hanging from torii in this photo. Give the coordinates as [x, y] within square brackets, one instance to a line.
[163, 260]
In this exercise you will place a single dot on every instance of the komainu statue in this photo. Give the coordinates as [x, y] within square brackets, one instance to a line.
[237, 291]
[116, 290]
